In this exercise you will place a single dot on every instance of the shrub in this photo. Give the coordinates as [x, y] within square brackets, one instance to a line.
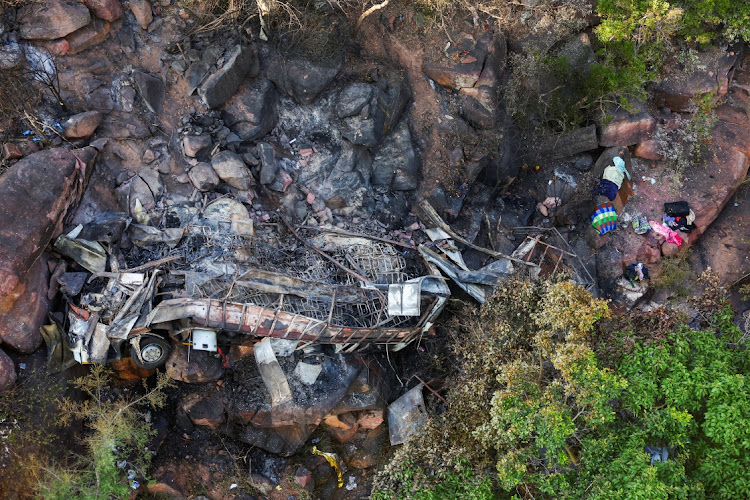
[117, 432]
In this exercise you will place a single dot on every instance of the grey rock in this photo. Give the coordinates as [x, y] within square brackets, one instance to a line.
[222, 85]
[151, 89]
[179, 65]
[583, 162]
[153, 181]
[608, 266]
[340, 178]
[252, 112]
[201, 67]
[127, 98]
[303, 79]
[11, 56]
[353, 98]
[81, 125]
[567, 144]
[51, 19]
[203, 177]
[578, 52]
[231, 169]
[196, 145]
[268, 166]
[395, 163]
[384, 110]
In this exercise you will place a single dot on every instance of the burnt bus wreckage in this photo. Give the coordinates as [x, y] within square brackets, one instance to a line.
[206, 276]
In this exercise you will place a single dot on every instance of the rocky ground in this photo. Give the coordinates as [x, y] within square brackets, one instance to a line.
[158, 112]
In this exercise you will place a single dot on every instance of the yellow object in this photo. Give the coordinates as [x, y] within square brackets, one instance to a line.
[613, 174]
[331, 460]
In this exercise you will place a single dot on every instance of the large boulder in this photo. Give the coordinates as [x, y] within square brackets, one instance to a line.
[284, 428]
[19, 328]
[462, 64]
[303, 79]
[242, 61]
[712, 73]
[252, 112]
[51, 19]
[37, 194]
[205, 410]
[625, 127]
[340, 178]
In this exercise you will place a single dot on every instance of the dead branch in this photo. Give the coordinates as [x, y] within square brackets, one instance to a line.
[368, 12]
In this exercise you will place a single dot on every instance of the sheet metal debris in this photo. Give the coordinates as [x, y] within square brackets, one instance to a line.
[407, 416]
[272, 374]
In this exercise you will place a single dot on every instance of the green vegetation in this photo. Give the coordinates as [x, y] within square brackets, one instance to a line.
[29, 431]
[635, 41]
[553, 400]
[115, 441]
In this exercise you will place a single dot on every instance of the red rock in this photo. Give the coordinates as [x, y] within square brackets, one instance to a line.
[81, 125]
[163, 490]
[88, 36]
[626, 127]
[58, 47]
[370, 419]
[142, 11]
[7, 371]
[11, 151]
[303, 478]
[38, 192]
[647, 253]
[669, 249]
[109, 10]
[126, 369]
[19, 328]
[457, 77]
[342, 427]
[648, 149]
[238, 352]
[51, 19]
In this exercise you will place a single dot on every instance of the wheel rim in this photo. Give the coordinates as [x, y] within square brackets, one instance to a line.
[151, 353]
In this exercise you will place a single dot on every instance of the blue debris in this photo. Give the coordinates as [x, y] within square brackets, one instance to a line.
[27, 132]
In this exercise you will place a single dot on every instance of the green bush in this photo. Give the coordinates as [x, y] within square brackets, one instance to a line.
[559, 425]
[116, 432]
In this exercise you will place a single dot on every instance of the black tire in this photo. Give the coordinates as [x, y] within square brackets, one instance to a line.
[155, 351]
